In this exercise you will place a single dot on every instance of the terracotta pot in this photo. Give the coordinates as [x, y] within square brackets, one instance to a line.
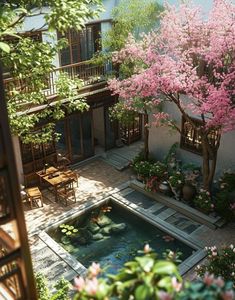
[188, 192]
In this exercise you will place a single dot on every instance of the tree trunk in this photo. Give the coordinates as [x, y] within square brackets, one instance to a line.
[209, 164]
[146, 137]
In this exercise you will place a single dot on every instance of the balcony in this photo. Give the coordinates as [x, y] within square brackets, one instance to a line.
[86, 71]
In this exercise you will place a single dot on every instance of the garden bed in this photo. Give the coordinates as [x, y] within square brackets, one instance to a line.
[210, 220]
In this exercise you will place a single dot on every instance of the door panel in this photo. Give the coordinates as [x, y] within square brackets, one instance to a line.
[110, 130]
[75, 137]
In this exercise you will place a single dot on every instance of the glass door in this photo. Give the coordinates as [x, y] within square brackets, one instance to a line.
[62, 143]
[110, 128]
[87, 134]
[75, 134]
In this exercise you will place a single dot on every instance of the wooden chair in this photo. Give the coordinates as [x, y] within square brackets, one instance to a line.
[34, 195]
[66, 192]
[62, 163]
[72, 175]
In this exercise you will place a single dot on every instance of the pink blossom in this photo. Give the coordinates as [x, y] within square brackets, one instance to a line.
[208, 279]
[92, 286]
[94, 269]
[228, 295]
[190, 55]
[164, 295]
[219, 281]
[147, 248]
[79, 283]
[176, 285]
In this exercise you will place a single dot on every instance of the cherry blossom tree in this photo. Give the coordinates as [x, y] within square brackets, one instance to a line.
[188, 62]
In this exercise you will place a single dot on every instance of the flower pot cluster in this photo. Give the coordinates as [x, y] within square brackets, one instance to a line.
[184, 183]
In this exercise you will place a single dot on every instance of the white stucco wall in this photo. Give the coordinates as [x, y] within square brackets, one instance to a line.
[161, 139]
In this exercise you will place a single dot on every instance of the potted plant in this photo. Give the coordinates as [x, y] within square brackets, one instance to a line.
[176, 180]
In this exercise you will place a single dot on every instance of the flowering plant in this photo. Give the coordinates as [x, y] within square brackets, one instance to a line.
[225, 200]
[203, 201]
[142, 168]
[158, 169]
[220, 263]
[176, 180]
[152, 184]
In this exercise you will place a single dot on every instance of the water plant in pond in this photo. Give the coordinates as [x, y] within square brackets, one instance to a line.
[68, 229]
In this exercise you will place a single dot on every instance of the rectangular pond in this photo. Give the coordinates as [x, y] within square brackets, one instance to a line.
[111, 234]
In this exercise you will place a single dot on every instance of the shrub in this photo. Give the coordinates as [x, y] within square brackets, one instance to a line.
[176, 180]
[159, 170]
[152, 184]
[142, 168]
[225, 202]
[147, 278]
[220, 263]
[203, 201]
[62, 288]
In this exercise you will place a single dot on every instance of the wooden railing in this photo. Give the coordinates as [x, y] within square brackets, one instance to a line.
[11, 282]
[87, 72]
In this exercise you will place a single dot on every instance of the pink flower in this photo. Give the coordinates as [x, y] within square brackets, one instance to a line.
[164, 295]
[147, 248]
[228, 295]
[92, 286]
[94, 269]
[176, 285]
[79, 283]
[219, 281]
[208, 279]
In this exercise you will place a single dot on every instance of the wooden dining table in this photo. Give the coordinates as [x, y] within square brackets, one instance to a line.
[55, 178]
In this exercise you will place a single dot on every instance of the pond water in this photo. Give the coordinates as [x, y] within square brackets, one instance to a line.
[111, 235]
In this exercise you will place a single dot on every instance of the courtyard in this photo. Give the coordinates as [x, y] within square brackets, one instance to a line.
[97, 180]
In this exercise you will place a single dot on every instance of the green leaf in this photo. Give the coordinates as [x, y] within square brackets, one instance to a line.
[64, 230]
[142, 292]
[164, 267]
[5, 47]
[146, 263]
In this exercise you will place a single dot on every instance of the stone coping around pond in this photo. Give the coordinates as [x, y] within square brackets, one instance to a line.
[211, 222]
[71, 261]
[184, 267]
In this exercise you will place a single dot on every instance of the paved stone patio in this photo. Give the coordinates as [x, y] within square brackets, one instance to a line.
[97, 179]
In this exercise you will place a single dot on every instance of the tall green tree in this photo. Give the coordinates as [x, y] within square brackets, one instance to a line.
[130, 17]
[30, 62]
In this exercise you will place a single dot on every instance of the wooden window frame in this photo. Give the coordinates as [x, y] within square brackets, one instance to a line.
[191, 140]
[69, 36]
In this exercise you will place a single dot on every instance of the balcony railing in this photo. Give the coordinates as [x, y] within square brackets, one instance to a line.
[87, 72]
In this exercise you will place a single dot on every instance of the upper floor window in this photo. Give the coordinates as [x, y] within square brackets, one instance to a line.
[191, 138]
[81, 45]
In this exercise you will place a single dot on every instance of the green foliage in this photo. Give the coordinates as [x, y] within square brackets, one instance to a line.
[119, 112]
[131, 16]
[42, 287]
[142, 278]
[203, 201]
[68, 230]
[224, 200]
[176, 180]
[220, 262]
[30, 62]
[158, 169]
[61, 287]
[210, 288]
[142, 168]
